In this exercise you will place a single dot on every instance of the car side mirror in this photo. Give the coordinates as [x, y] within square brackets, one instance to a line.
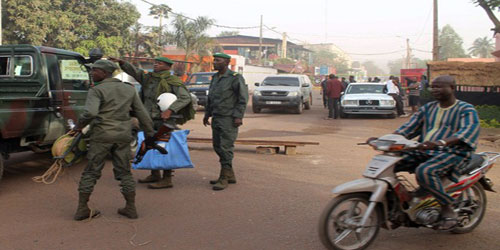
[257, 84]
[342, 92]
[305, 85]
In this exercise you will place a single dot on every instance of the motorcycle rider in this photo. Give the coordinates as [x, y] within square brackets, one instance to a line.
[448, 130]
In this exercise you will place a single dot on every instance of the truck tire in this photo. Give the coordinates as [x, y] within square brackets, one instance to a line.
[298, 109]
[1, 166]
[256, 109]
[307, 105]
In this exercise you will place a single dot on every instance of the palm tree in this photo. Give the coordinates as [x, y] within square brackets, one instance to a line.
[190, 35]
[482, 47]
[159, 12]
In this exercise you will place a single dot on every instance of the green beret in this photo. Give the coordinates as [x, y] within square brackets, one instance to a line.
[164, 59]
[105, 65]
[222, 55]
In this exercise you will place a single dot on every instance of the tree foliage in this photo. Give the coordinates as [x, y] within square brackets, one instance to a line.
[70, 24]
[482, 47]
[450, 44]
[372, 69]
[191, 36]
[490, 6]
[395, 66]
[331, 59]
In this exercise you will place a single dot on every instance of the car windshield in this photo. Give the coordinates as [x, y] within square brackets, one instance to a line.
[281, 81]
[198, 79]
[365, 89]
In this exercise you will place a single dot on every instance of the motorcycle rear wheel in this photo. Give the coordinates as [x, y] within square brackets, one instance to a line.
[337, 229]
[471, 209]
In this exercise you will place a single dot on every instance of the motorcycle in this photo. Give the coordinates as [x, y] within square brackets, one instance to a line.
[389, 200]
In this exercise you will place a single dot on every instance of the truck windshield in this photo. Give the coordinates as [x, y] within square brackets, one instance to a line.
[365, 88]
[198, 79]
[281, 81]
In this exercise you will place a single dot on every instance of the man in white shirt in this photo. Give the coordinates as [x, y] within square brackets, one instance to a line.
[393, 90]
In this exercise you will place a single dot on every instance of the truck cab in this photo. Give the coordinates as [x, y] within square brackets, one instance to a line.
[42, 90]
[198, 84]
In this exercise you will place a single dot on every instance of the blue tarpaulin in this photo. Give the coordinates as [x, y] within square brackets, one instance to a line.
[177, 157]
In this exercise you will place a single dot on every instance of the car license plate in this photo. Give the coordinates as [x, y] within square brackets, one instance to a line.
[273, 102]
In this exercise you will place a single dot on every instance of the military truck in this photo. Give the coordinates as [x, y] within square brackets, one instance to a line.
[42, 90]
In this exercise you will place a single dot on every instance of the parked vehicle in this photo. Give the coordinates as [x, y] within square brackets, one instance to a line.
[42, 90]
[384, 199]
[367, 99]
[283, 91]
[198, 84]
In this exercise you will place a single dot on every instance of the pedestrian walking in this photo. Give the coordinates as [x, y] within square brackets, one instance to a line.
[323, 92]
[351, 79]
[345, 84]
[334, 89]
[226, 104]
[413, 95]
[107, 109]
[153, 85]
[394, 91]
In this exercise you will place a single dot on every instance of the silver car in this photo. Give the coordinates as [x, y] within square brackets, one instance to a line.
[367, 99]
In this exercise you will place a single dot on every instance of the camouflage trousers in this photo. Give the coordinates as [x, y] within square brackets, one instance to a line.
[120, 155]
[224, 133]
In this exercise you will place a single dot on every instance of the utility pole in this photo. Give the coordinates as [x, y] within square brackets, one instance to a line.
[408, 54]
[435, 42]
[283, 46]
[260, 42]
[0, 22]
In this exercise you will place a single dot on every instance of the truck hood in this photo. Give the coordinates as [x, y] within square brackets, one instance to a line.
[278, 88]
[198, 87]
[367, 97]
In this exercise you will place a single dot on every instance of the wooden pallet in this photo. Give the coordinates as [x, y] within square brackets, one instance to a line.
[264, 146]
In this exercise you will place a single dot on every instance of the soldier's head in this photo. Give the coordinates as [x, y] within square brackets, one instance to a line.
[102, 69]
[221, 61]
[162, 64]
[443, 87]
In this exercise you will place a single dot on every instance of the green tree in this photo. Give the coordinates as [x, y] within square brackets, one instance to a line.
[191, 36]
[331, 59]
[160, 11]
[482, 47]
[395, 66]
[372, 69]
[70, 24]
[450, 44]
[489, 6]
[228, 33]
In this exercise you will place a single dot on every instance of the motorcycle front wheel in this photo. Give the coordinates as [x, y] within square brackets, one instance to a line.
[338, 227]
[471, 206]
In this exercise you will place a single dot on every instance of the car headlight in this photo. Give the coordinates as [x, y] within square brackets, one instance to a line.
[387, 102]
[349, 102]
[293, 93]
[256, 93]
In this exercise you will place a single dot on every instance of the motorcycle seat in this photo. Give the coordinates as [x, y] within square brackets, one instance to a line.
[475, 162]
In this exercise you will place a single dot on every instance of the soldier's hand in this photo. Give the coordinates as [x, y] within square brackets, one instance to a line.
[116, 60]
[206, 121]
[166, 114]
[238, 122]
[149, 141]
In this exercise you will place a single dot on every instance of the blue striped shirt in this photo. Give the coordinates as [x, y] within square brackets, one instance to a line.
[432, 123]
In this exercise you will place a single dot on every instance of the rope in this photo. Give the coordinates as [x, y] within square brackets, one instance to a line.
[50, 176]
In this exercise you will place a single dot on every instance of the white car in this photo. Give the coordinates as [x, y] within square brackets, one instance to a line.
[367, 98]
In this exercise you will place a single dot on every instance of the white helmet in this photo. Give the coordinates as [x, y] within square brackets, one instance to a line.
[165, 100]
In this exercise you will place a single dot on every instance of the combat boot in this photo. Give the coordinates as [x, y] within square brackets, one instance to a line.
[83, 211]
[223, 180]
[165, 182]
[231, 178]
[129, 210]
[153, 177]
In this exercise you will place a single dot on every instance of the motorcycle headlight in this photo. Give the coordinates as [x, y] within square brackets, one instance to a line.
[256, 93]
[349, 102]
[293, 93]
[387, 102]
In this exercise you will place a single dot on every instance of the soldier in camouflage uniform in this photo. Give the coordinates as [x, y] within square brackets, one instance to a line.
[107, 110]
[154, 84]
[226, 104]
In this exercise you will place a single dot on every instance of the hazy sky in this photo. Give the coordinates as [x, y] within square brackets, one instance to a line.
[356, 26]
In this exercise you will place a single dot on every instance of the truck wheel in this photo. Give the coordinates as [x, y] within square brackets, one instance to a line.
[256, 109]
[307, 105]
[298, 109]
[1, 166]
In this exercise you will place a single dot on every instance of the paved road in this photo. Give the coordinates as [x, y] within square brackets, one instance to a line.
[275, 204]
